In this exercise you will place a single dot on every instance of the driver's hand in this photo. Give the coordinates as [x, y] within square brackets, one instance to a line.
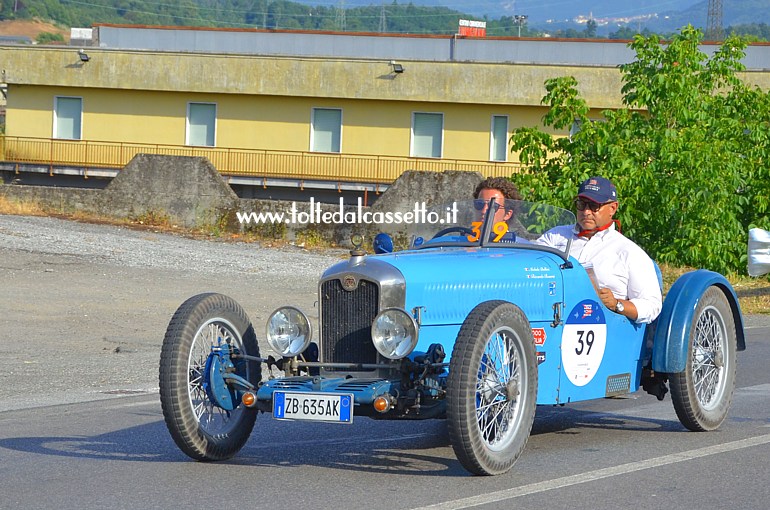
[608, 298]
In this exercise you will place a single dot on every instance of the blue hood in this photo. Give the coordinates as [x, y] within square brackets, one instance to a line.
[450, 282]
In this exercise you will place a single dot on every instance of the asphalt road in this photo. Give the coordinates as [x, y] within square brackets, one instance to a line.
[81, 426]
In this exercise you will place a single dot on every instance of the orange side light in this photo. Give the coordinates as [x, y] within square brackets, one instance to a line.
[381, 404]
[248, 399]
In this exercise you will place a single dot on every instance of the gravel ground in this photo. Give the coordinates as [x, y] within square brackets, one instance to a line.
[107, 244]
[85, 306]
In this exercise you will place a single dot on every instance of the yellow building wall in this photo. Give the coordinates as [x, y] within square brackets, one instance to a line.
[30, 111]
[264, 106]
[266, 102]
[108, 115]
[277, 123]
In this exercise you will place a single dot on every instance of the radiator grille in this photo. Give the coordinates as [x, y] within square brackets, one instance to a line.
[346, 322]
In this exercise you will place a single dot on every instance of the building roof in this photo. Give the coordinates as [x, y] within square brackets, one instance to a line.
[434, 48]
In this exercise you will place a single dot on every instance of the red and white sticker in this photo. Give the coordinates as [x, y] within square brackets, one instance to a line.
[539, 335]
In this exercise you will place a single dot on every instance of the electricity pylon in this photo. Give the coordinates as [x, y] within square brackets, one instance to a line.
[714, 25]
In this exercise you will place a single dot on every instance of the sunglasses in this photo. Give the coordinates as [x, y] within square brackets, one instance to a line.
[582, 205]
[479, 204]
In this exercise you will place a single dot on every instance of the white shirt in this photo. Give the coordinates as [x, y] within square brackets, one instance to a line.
[618, 263]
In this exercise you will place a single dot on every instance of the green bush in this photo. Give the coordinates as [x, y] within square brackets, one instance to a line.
[48, 37]
[688, 151]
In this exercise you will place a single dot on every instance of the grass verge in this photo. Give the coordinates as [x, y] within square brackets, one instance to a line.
[21, 207]
[753, 293]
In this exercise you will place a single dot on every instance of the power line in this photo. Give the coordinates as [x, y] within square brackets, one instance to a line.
[334, 11]
[158, 14]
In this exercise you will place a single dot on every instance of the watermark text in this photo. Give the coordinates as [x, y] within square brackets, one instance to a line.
[314, 213]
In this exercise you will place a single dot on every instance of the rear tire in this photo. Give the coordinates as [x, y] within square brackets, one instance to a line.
[201, 429]
[703, 391]
[492, 388]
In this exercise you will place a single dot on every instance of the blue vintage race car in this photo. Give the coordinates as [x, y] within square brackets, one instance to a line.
[474, 322]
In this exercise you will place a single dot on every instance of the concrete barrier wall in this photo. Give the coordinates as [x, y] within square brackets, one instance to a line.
[55, 199]
[184, 191]
[189, 192]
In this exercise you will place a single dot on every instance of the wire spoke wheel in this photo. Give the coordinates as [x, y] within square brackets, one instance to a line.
[702, 393]
[497, 390]
[709, 345]
[212, 419]
[492, 388]
[200, 427]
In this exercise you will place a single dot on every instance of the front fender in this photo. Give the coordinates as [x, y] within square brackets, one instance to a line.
[669, 352]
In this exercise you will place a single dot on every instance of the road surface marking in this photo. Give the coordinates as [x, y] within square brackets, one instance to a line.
[591, 476]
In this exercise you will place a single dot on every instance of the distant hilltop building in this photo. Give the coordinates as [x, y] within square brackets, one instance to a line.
[581, 19]
[15, 39]
[81, 36]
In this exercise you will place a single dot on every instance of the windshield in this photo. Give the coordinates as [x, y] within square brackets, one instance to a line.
[486, 223]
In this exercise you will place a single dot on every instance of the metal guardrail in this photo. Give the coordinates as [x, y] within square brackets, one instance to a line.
[93, 154]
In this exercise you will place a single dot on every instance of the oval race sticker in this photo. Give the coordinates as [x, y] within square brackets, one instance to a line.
[583, 341]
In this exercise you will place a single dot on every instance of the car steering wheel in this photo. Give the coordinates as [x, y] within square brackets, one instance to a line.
[457, 228]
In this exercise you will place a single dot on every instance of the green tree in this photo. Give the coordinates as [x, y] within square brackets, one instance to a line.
[688, 151]
[753, 31]
[629, 33]
[590, 30]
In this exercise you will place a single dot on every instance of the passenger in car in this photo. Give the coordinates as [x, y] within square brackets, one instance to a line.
[501, 189]
[625, 275]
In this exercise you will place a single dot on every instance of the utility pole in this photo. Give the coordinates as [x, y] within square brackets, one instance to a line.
[714, 26]
[383, 20]
[340, 18]
[264, 14]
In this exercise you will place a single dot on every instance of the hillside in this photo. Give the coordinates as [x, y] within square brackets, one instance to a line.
[31, 28]
[414, 17]
[278, 14]
[745, 12]
[539, 11]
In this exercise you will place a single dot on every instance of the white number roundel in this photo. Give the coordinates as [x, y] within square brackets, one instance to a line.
[583, 341]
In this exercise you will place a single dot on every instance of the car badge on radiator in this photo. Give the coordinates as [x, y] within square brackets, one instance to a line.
[349, 282]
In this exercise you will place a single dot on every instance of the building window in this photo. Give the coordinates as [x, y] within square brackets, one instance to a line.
[577, 125]
[68, 118]
[201, 124]
[574, 128]
[498, 150]
[326, 130]
[427, 135]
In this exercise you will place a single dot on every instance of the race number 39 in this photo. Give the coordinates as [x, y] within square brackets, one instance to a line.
[583, 341]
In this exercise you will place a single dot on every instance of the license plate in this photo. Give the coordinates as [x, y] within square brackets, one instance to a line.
[336, 408]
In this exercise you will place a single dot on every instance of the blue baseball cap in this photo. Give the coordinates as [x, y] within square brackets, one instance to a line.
[598, 189]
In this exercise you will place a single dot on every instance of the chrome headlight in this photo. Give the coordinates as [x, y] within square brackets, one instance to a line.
[288, 331]
[394, 333]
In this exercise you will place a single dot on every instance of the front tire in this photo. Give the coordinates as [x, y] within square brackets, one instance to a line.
[492, 388]
[703, 391]
[201, 429]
